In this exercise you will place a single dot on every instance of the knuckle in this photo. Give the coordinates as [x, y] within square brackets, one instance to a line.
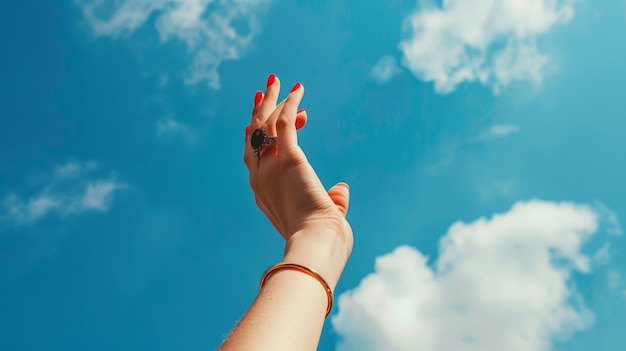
[283, 121]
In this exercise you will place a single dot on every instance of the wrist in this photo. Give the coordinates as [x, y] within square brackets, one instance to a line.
[321, 249]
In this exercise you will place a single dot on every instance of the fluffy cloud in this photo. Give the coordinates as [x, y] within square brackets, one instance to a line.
[213, 30]
[67, 190]
[490, 41]
[503, 283]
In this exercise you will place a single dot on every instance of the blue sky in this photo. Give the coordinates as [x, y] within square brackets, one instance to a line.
[483, 143]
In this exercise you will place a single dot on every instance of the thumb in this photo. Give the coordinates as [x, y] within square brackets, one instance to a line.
[340, 194]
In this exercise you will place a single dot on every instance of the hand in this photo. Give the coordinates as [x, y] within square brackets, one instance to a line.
[285, 185]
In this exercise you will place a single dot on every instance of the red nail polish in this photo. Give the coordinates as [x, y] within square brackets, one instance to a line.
[299, 123]
[296, 87]
[247, 130]
[271, 79]
[301, 110]
[257, 98]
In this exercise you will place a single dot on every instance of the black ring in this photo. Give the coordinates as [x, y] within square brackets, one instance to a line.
[259, 140]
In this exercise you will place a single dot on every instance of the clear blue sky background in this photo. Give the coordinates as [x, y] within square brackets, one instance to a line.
[150, 238]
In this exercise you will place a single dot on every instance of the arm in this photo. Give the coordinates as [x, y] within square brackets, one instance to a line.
[289, 311]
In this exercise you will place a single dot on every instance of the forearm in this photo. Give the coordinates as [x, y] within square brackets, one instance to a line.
[289, 312]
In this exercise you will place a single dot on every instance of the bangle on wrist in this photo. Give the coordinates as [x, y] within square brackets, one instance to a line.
[303, 269]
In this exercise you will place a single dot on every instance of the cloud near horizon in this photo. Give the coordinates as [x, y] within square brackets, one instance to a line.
[69, 189]
[493, 42]
[213, 31]
[503, 283]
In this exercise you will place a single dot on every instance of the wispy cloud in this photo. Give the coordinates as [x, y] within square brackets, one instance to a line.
[446, 155]
[385, 69]
[496, 131]
[169, 128]
[603, 254]
[502, 131]
[492, 42]
[615, 282]
[214, 31]
[497, 188]
[68, 189]
[616, 227]
[453, 145]
[503, 283]
[614, 279]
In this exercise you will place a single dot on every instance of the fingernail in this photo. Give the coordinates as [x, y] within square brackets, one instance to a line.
[299, 123]
[296, 87]
[270, 79]
[345, 185]
[257, 98]
[247, 130]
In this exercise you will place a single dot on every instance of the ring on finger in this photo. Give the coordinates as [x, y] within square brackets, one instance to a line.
[259, 139]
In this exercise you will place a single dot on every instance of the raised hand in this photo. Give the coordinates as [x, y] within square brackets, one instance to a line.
[285, 185]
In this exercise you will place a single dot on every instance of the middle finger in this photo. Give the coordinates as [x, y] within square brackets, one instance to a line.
[268, 103]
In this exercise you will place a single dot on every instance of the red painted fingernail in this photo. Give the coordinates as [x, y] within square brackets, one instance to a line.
[247, 130]
[271, 79]
[299, 123]
[301, 110]
[257, 98]
[296, 87]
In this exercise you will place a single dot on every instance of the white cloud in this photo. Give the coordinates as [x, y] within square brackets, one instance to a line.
[98, 195]
[385, 69]
[68, 190]
[38, 207]
[214, 31]
[493, 42]
[503, 283]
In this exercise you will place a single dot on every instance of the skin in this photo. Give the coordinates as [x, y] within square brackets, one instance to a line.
[289, 311]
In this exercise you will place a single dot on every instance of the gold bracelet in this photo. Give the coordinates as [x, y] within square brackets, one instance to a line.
[303, 269]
